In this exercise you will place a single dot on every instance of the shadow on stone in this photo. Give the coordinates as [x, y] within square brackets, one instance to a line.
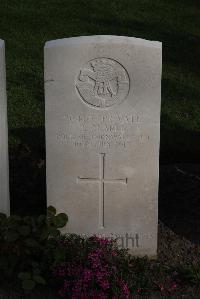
[179, 187]
[27, 171]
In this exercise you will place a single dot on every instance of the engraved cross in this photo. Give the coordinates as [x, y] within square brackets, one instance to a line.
[101, 182]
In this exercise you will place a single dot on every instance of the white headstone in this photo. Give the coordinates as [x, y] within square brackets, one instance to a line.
[103, 97]
[4, 181]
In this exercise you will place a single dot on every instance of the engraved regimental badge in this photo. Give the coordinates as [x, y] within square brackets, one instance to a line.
[102, 83]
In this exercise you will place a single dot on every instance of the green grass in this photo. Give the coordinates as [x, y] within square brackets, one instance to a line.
[26, 25]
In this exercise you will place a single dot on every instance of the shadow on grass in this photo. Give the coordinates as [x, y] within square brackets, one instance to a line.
[179, 187]
[27, 171]
[179, 149]
[179, 184]
[179, 199]
[178, 47]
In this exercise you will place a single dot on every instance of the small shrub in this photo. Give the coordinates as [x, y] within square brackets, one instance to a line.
[89, 268]
[192, 273]
[23, 242]
[34, 253]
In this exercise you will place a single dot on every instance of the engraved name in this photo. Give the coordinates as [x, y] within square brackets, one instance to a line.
[101, 131]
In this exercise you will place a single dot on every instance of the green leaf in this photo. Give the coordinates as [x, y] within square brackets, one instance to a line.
[36, 271]
[3, 216]
[51, 211]
[15, 218]
[27, 219]
[24, 275]
[54, 232]
[28, 284]
[60, 220]
[31, 242]
[44, 234]
[33, 224]
[12, 236]
[24, 230]
[39, 279]
[41, 219]
[35, 264]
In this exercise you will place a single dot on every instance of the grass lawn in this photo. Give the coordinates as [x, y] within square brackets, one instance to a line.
[26, 25]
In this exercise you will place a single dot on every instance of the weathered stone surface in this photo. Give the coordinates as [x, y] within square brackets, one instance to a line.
[4, 181]
[103, 97]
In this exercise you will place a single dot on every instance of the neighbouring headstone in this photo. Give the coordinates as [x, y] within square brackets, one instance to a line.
[103, 96]
[4, 181]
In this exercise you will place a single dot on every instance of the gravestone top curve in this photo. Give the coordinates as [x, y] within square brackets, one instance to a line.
[102, 38]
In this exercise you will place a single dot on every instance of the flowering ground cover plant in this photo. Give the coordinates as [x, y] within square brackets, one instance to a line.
[94, 274]
[94, 267]
[35, 255]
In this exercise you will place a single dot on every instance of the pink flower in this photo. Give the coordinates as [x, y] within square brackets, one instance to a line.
[161, 287]
[66, 284]
[173, 287]
[60, 271]
[101, 240]
[97, 295]
[113, 253]
[94, 276]
[87, 275]
[61, 293]
[125, 288]
[94, 258]
[104, 284]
